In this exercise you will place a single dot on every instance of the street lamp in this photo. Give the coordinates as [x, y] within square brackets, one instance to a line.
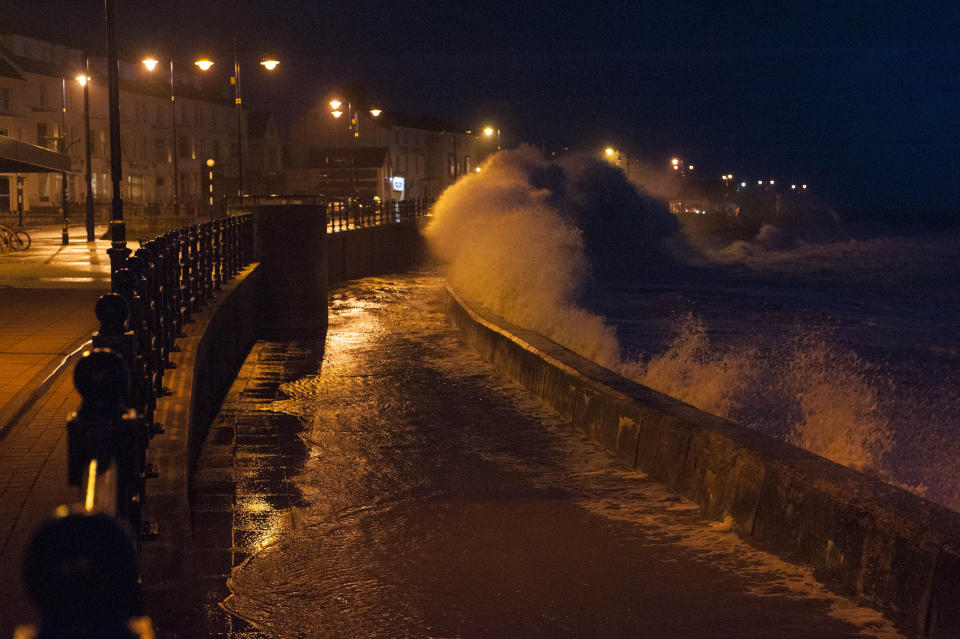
[151, 64]
[118, 250]
[354, 127]
[489, 131]
[269, 64]
[84, 80]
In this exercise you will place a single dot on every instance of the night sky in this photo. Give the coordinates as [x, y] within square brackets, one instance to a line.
[859, 99]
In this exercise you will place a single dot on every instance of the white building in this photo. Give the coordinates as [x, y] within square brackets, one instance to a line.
[41, 102]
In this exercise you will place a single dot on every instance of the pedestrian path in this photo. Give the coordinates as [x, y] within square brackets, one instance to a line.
[404, 488]
[47, 297]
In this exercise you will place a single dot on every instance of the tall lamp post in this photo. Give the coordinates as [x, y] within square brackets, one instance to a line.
[118, 250]
[269, 64]
[354, 128]
[84, 81]
[62, 147]
[151, 64]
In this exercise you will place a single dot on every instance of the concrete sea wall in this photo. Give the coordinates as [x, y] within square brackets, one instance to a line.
[373, 250]
[862, 537]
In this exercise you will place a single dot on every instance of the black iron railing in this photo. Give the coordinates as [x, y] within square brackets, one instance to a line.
[156, 292]
[341, 215]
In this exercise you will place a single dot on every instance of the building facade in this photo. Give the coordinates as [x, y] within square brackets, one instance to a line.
[422, 156]
[41, 102]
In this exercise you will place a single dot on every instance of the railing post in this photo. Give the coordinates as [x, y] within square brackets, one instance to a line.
[81, 572]
[186, 288]
[129, 286]
[196, 282]
[106, 430]
[218, 254]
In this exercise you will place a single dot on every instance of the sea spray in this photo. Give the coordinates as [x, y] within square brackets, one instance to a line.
[527, 237]
[804, 390]
[516, 236]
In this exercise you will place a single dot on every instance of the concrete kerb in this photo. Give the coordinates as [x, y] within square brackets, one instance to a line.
[862, 537]
[39, 384]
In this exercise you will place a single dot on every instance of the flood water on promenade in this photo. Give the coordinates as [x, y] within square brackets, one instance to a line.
[433, 498]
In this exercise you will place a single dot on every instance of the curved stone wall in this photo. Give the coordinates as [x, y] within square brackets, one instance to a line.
[863, 537]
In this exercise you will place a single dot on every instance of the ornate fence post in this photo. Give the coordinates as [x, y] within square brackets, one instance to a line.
[128, 285]
[218, 254]
[186, 287]
[105, 442]
[232, 257]
[196, 285]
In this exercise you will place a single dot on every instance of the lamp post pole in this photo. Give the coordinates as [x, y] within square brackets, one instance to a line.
[88, 218]
[118, 250]
[239, 101]
[175, 151]
[62, 147]
[355, 125]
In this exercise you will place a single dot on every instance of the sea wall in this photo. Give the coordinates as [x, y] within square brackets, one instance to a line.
[862, 537]
[210, 353]
[374, 250]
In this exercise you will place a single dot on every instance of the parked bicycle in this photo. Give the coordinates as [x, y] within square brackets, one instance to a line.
[13, 239]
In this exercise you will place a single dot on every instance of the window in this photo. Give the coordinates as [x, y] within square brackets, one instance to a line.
[160, 152]
[198, 114]
[5, 132]
[135, 188]
[4, 193]
[45, 187]
[43, 93]
[466, 164]
[43, 134]
[452, 165]
[4, 99]
[183, 147]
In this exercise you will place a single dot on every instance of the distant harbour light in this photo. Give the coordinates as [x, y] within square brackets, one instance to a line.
[743, 185]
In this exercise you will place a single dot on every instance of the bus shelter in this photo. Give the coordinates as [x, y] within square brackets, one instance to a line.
[18, 157]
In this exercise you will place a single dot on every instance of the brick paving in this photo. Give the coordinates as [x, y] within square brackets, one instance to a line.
[47, 297]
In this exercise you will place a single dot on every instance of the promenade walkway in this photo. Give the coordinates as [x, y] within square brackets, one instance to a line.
[47, 296]
[401, 487]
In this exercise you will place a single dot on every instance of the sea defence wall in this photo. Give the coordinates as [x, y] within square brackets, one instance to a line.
[374, 250]
[862, 537]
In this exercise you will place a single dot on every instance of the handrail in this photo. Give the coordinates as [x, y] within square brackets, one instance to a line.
[156, 292]
[342, 215]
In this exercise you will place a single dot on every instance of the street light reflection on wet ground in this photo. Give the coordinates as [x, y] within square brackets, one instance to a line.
[403, 488]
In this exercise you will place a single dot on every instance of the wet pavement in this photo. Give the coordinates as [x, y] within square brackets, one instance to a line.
[400, 487]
